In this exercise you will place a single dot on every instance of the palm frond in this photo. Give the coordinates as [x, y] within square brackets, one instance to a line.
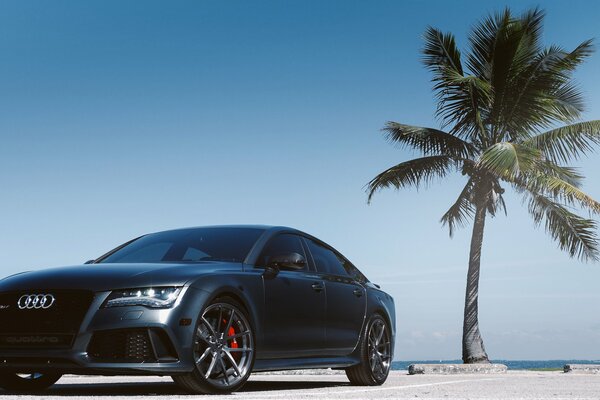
[573, 59]
[567, 142]
[414, 173]
[462, 210]
[542, 94]
[566, 103]
[530, 24]
[463, 103]
[567, 192]
[555, 188]
[459, 97]
[570, 175]
[508, 159]
[428, 141]
[483, 39]
[517, 42]
[574, 234]
[440, 52]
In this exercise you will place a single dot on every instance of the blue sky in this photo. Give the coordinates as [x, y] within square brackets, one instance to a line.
[119, 118]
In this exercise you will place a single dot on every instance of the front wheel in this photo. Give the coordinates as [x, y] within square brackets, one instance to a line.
[30, 382]
[223, 350]
[375, 353]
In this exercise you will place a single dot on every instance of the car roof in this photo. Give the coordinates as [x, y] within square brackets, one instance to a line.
[269, 230]
[235, 226]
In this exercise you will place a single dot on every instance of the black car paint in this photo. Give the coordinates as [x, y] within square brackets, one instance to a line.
[294, 313]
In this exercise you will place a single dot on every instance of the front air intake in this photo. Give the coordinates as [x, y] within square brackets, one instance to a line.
[138, 345]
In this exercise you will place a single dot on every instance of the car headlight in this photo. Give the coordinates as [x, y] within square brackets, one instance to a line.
[154, 297]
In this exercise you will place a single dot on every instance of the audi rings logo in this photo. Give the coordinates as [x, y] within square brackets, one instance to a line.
[35, 301]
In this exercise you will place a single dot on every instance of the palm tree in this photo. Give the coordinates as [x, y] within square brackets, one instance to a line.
[509, 115]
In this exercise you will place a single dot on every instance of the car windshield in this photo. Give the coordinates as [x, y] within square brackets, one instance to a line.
[187, 245]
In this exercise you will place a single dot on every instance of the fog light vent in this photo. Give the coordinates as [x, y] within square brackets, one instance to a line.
[123, 345]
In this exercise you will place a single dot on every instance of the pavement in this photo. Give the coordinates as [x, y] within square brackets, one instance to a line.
[400, 385]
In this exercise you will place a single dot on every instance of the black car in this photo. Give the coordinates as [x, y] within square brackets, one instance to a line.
[205, 305]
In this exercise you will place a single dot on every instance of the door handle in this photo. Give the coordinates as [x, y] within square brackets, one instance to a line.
[357, 292]
[317, 287]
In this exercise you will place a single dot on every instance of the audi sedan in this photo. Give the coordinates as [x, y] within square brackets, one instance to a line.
[206, 305]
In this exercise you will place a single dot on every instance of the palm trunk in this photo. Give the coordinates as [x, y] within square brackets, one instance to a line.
[473, 350]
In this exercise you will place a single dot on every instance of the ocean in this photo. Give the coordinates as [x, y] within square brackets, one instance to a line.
[511, 364]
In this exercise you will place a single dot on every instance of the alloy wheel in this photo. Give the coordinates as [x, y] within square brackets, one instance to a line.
[379, 349]
[223, 345]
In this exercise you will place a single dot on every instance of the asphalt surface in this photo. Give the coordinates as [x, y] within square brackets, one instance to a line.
[512, 385]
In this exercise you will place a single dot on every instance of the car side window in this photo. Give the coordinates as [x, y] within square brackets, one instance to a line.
[326, 260]
[281, 244]
[354, 272]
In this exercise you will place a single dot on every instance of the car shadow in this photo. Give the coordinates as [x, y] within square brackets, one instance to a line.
[163, 388]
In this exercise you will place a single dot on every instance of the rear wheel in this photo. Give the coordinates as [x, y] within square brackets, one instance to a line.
[376, 355]
[29, 382]
[223, 350]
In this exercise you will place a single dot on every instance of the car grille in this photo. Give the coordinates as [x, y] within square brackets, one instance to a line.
[52, 327]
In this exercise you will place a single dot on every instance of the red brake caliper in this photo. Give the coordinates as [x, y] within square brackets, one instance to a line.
[233, 342]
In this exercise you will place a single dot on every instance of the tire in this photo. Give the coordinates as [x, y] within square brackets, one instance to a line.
[375, 355]
[31, 382]
[224, 351]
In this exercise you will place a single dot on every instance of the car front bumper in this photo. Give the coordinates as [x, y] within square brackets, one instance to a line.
[174, 325]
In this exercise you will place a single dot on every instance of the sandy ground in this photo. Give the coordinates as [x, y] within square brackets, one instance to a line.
[512, 385]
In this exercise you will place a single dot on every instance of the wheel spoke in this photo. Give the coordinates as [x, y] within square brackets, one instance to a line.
[372, 335]
[380, 335]
[238, 335]
[224, 369]
[200, 335]
[233, 363]
[208, 324]
[203, 356]
[237, 350]
[211, 366]
[219, 321]
[230, 322]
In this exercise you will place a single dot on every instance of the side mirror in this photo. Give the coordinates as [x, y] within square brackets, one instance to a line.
[293, 261]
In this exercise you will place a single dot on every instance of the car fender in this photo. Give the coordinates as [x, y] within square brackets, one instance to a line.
[247, 289]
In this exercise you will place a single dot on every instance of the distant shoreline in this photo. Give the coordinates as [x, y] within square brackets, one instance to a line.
[511, 364]
[514, 365]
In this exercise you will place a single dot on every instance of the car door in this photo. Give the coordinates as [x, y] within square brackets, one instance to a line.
[294, 324]
[346, 299]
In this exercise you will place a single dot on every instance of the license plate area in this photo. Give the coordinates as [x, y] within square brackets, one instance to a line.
[46, 340]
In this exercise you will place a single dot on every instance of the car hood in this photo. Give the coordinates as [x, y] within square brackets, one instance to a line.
[100, 277]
